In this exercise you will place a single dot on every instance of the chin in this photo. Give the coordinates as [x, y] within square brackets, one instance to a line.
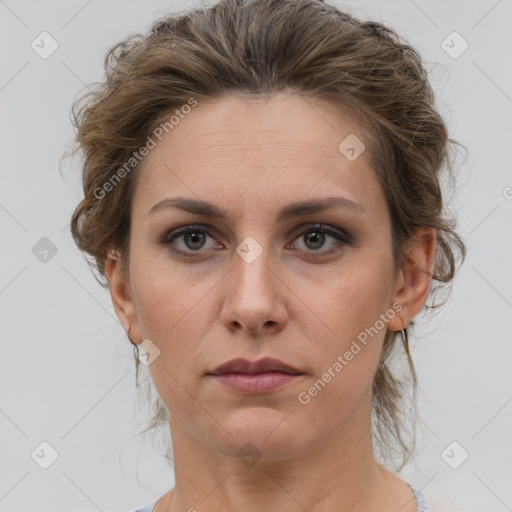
[265, 432]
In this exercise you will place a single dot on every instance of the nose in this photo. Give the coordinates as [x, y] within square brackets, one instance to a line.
[255, 297]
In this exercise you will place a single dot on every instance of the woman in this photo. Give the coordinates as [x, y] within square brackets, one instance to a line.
[262, 196]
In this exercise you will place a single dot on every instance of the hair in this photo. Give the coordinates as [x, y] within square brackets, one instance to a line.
[257, 49]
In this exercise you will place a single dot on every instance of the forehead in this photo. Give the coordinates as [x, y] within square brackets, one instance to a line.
[283, 145]
[285, 121]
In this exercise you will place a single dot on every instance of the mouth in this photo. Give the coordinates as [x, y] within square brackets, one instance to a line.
[255, 377]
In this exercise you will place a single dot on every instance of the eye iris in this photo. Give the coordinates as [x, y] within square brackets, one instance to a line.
[318, 239]
[195, 236]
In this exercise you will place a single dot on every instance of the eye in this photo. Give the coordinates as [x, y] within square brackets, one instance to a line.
[189, 240]
[192, 238]
[315, 237]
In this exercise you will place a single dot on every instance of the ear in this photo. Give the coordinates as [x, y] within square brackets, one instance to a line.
[413, 280]
[121, 294]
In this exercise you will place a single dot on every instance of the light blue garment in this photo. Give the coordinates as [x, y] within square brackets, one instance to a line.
[147, 508]
[420, 498]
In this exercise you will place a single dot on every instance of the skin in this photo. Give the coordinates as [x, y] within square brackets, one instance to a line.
[251, 157]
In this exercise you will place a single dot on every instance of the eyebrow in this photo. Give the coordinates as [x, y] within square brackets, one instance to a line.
[288, 211]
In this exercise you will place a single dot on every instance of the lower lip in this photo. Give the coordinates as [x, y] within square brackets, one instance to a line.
[255, 383]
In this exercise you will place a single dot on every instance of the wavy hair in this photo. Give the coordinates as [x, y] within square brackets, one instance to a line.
[260, 48]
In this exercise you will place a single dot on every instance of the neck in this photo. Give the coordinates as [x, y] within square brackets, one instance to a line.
[339, 474]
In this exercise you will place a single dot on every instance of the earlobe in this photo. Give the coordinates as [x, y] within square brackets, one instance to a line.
[119, 289]
[414, 279]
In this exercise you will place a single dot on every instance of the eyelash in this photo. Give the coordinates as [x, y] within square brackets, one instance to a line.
[342, 238]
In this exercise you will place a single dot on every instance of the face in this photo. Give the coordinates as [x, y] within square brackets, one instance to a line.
[302, 287]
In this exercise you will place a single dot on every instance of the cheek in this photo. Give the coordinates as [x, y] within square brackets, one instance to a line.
[349, 350]
[174, 312]
[353, 300]
[167, 299]
[352, 308]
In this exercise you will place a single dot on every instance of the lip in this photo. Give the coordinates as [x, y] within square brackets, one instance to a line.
[264, 365]
[255, 377]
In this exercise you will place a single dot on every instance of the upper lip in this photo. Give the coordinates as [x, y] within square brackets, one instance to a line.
[266, 364]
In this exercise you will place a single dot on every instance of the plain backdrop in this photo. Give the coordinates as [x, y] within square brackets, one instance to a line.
[67, 376]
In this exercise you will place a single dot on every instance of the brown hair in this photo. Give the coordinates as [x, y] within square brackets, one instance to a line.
[259, 48]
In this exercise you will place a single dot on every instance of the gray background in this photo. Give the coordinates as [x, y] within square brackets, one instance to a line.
[67, 374]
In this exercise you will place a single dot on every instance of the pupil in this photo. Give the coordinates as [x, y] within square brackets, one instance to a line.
[196, 238]
[319, 238]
